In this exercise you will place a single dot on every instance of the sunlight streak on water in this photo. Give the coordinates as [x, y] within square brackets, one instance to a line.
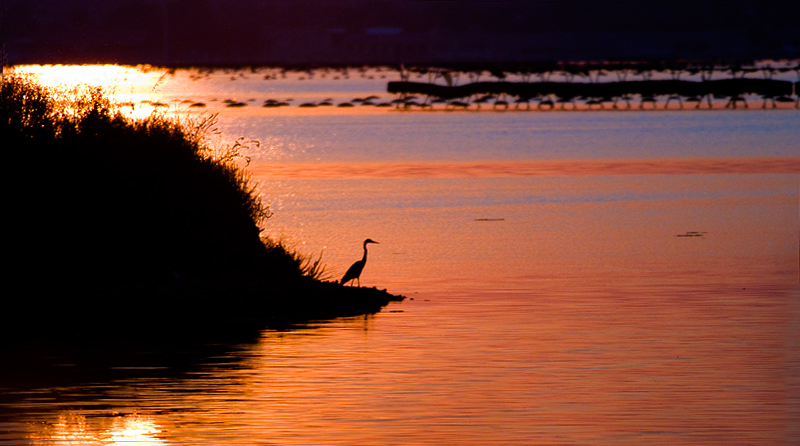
[70, 76]
[73, 428]
[490, 169]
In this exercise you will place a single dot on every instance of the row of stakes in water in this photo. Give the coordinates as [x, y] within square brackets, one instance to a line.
[493, 102]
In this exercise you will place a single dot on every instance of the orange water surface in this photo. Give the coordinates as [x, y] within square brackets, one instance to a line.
[638, 288]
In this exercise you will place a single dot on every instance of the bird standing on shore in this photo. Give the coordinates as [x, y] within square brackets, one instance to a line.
[354, 272]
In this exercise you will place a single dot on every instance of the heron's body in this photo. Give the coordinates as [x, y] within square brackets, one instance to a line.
[354, 272]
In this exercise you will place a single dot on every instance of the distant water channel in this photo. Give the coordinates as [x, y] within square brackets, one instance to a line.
[603, 277]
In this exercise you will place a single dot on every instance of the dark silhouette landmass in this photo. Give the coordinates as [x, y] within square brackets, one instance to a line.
[117, 222]
[723, 88]
[545, 94]
[359, 32]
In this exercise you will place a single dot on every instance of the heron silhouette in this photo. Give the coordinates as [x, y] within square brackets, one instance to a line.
[354, 272]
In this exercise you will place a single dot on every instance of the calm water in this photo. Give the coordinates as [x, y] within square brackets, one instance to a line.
[572, 278]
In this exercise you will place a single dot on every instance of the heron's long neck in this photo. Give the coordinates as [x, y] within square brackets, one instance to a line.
[364, 259]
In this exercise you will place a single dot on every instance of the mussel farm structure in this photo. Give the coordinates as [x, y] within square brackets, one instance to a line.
[543, 94]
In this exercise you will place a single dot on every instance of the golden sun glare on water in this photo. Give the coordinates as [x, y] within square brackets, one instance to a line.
[134, 431]
[76, 429]
[69, 76]
[131, 87]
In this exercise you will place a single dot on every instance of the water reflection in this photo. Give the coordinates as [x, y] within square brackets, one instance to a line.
[72, 428]
[583, 362]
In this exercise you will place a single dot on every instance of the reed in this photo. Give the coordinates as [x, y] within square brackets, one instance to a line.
[308, 265]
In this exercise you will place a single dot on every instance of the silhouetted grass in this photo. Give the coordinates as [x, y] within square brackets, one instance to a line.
[97, 196]
[307, 265]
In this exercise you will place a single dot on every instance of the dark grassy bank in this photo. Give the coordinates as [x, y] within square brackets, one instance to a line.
[115, 219]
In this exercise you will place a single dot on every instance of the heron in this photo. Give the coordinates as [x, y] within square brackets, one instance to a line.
[354, 272]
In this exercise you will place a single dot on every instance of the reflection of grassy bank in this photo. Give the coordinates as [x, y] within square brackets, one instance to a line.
[113, 216]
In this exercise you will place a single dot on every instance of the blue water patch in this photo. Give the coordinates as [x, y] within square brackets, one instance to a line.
[493, 192]
[418, 137]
